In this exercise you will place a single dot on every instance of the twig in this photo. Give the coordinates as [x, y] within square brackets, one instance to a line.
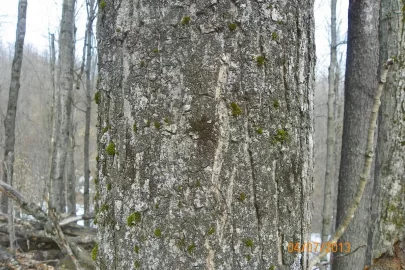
[75, 218]
[366, 168]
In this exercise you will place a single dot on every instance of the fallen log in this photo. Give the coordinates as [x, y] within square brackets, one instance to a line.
[39, 235]
[67, 228]
[50, 223]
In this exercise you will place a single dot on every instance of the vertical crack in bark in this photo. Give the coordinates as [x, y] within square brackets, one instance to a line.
[280, 247]
[279, 234]
[285, 84]
[264, 68]
[223, 138]
[254, 183]
[304, 211]
[116, 251]
[233, 249]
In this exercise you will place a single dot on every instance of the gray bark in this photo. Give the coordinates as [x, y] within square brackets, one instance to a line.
[339, 106]
[66, 60]
[9, 121]
[54, 127]
[205, 134]
[89, 36]
[360, 89]
[388, 212]
[328, 201]
[71, 170]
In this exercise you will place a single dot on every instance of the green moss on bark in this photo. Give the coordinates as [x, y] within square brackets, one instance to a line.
[236, 110]
[110, 150]
[185, 20]
[134, 218]
[97, 97]
[94, 252]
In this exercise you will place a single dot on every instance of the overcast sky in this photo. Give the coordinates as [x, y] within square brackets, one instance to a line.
[43, 16]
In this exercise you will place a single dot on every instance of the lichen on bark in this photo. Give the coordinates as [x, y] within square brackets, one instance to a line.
[185, 177]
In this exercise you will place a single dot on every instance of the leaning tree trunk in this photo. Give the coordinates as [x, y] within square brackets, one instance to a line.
[205, 133]
[388, 200]
[360, 89]
[9, 121]
[66, 59]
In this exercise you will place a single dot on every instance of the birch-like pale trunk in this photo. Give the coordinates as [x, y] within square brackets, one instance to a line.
[9, 121]
[328, 202]
[89, 35]
[66, 60]
[388, 212]
[205, 133]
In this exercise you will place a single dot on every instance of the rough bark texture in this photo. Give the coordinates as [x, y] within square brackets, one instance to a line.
[66, 59]
[388, 212]
[328, 201]
[86, 168]
[205, 133]
[360, 89]
[9, 120]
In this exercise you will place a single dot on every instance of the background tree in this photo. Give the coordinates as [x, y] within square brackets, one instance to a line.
[205, 134]
[9, 121]
[388, 204]
[55, 107]
[360, 89]
[91, 8]
[66, 62]
[70, 168]
[328, 202]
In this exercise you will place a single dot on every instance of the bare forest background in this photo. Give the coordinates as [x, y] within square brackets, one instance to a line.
[33, 122]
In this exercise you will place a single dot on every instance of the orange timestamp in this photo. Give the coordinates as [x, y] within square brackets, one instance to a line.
[318, 247]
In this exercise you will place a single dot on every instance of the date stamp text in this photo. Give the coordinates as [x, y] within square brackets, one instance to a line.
[319, 247]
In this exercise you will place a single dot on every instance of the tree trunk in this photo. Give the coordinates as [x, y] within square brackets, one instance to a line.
[205, 134]
[9, 121]
[89, 35]
[339, 106]
[54, 123]
[71, 170]
[360, 89]
[328, 202]
[388, 212]
[66, 59]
